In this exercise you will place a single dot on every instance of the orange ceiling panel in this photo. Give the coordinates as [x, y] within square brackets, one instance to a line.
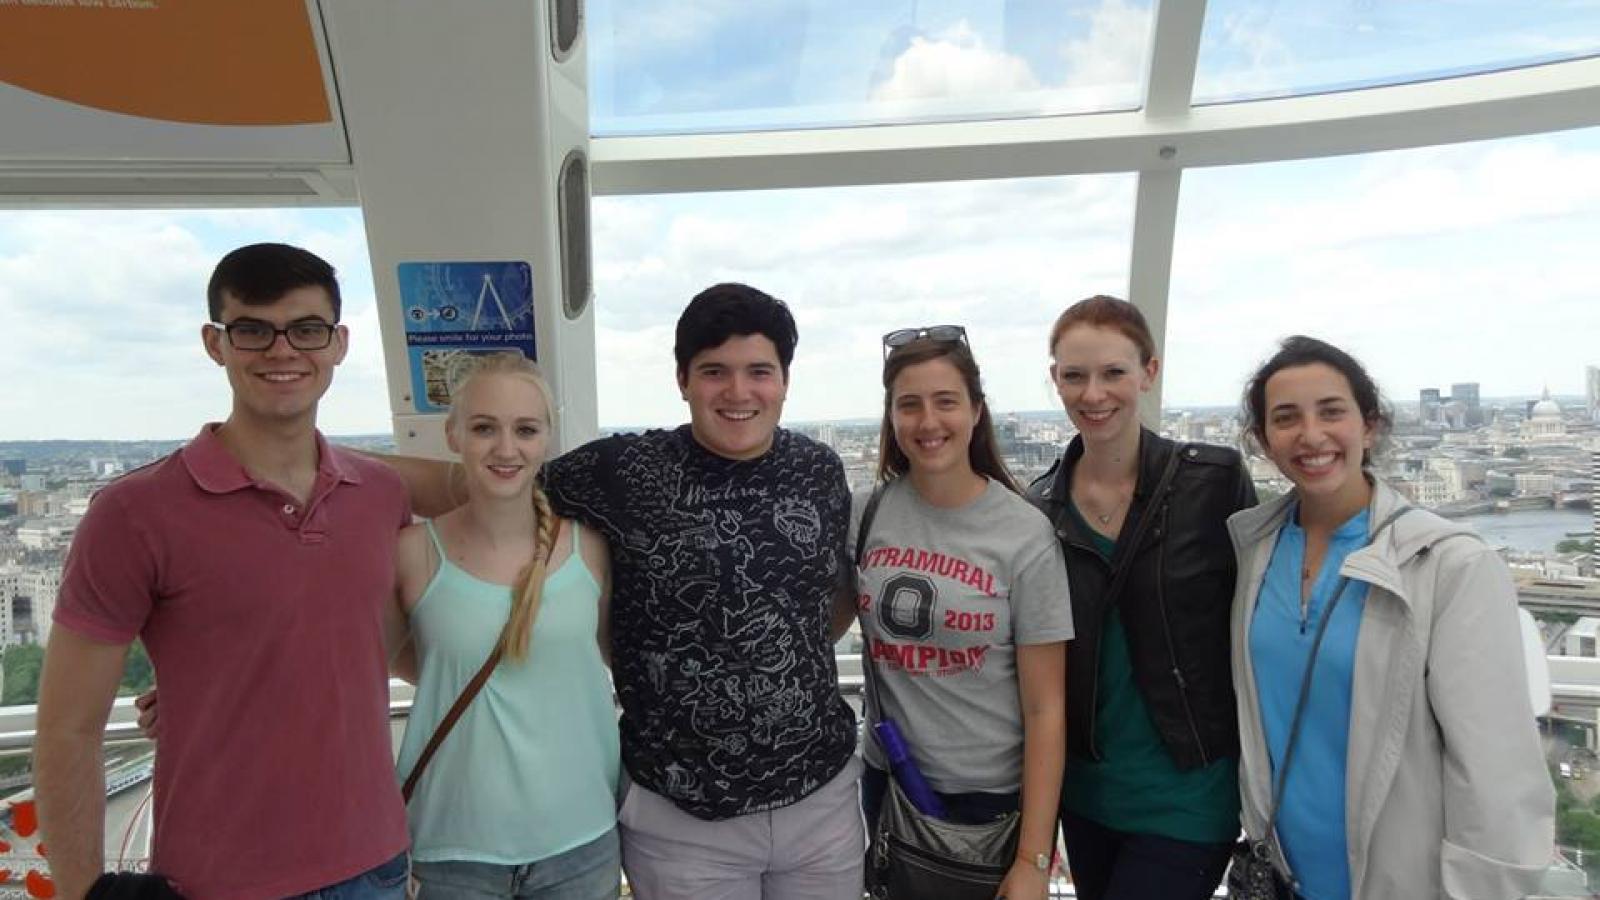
[208, 62]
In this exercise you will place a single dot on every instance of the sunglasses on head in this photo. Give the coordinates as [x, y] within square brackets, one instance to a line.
[903, 336]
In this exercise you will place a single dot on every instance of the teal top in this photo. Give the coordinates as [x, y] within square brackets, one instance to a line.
[1134, 786]
[530, 769]
[1311, 818]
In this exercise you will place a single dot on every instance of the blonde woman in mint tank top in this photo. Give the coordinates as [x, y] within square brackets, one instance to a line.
[519, 800]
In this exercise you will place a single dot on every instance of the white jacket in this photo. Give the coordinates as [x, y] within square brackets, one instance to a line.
[1446, 790]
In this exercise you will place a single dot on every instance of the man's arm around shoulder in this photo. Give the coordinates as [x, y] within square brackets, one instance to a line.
[76, 691]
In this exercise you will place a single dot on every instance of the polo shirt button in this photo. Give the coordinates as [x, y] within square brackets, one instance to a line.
[288, 509]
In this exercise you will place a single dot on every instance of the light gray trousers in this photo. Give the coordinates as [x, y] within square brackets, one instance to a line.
[811, 850]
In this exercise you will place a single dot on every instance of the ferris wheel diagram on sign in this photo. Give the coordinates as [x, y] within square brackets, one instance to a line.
[453, 311]
[447, 314]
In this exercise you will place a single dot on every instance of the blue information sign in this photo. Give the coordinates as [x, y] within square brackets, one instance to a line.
[456, 310]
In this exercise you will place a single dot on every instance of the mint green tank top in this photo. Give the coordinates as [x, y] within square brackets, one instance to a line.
[530, 770]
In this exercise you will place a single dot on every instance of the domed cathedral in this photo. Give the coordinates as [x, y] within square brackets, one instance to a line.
[1544, 423]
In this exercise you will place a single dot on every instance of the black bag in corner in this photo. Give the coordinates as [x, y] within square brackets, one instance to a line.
[1252, 876]
[918, 857]
[132, 886]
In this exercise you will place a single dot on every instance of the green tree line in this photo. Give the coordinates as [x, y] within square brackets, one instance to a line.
[22, 663]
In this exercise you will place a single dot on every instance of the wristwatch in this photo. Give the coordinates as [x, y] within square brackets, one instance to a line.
[1041, 861]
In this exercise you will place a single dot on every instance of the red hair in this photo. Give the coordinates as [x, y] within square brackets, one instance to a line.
[1101, 311]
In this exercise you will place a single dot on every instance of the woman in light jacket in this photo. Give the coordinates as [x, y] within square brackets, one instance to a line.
[1417, 771]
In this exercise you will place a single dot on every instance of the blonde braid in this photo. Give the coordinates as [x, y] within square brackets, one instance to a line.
[518, 631]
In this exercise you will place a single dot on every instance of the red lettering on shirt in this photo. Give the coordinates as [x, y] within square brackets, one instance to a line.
[976, 578]
[935, 563]
[927, 659]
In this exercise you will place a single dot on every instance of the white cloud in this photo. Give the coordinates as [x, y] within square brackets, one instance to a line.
[104, 310]
[954, 63]
[1436, 265]
[1000, 257]
[1114, 51]
[1102, 69]
[1465, 263]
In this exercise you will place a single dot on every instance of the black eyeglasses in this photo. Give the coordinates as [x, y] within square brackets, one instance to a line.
[904, 336]
[254, 334]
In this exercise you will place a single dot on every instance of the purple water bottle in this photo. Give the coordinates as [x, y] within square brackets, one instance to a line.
[905, 770]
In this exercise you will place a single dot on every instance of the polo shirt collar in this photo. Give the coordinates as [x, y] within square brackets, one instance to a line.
[216, 470]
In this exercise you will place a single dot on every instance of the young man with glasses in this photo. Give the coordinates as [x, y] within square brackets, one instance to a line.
[256, 563]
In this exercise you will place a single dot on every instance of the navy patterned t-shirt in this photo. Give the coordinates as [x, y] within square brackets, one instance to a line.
[723, 572]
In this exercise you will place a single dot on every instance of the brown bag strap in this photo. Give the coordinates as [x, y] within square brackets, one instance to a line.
[449, 721]
[472, 688]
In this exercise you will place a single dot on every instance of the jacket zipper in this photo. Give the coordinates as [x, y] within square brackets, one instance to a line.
[1099, 637]
[1166, 630]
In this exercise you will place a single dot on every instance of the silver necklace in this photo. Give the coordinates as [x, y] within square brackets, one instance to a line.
[1105, 518]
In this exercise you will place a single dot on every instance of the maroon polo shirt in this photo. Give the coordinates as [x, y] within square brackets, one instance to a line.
[274, 772]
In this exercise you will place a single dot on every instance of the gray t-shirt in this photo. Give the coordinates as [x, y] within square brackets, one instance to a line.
[946, 595]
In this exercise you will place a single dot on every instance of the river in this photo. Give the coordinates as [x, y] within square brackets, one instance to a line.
[1530, 530]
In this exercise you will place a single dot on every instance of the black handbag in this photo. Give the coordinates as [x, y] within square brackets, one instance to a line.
[1252, 875]
[919, 857]
[916, 856]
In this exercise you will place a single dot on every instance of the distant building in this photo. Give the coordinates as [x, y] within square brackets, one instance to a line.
[1591, 393]
[1433, 489]
[1580, 638]
[15, 467]
[1429, 405]
[1466, 394]
[42, 583]
[1533, 484]
[47, 534]
[1594, 496]
[33, 505]
[1544, 424]
[828, 433]
[10, 590]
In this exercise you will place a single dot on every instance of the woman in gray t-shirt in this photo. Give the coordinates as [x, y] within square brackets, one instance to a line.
[963, 604]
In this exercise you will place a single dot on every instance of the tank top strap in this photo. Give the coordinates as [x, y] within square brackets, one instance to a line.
[577, 548]
[438, 545]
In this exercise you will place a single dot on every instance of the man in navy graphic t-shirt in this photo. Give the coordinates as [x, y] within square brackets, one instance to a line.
[728, 552]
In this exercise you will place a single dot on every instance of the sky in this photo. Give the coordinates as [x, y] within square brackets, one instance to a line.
[1472, 262]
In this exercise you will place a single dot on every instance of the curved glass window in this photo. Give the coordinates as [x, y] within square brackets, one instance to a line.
[1002, 258]
[1265, 48]
[721, 65]
[113, 350]
[1442, 265]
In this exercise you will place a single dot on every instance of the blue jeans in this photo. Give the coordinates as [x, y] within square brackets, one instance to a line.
[385, 881]
[586, 872]
[1108, 864]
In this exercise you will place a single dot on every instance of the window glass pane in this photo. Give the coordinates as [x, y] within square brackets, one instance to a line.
[715, 65]
[1263, 48]
[1002, 258]
[1467, 271]
[107, 305]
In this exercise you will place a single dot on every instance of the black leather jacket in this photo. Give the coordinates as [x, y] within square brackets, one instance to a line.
[1176, 601]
